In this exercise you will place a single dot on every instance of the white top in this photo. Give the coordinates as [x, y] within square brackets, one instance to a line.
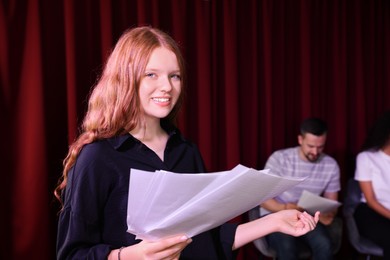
[321, 176]
[374, 166]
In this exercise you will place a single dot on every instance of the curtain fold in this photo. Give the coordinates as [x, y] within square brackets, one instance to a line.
[29, 219]
[255, 70]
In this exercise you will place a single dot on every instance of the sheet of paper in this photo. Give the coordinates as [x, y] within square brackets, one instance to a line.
[162, 204]
[312, 203]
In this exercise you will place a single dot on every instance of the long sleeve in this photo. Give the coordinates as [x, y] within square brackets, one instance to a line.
[91, 184]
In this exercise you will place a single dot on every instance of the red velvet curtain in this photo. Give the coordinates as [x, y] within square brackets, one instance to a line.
[256, 69]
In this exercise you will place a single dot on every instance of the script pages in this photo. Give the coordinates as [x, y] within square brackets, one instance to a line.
[312, 203]
[162, 203]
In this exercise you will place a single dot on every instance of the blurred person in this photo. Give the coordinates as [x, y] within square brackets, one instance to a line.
[322, 178]
[373, 174]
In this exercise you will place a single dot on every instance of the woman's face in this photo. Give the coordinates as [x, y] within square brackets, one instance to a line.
[161, 84]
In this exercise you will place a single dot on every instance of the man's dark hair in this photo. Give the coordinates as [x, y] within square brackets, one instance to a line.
[313, 125]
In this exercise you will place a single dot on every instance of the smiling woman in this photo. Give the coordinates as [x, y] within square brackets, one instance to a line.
[130, 125]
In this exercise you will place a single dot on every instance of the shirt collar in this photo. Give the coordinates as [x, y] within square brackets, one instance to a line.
[118, 141]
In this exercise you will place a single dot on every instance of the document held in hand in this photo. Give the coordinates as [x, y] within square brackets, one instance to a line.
[162, 203]
[312, 203]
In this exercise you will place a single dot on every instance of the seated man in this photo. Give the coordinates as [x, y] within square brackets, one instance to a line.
[322, 178]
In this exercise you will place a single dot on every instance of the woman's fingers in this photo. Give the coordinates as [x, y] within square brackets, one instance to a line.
[168, 248]
[310, 220]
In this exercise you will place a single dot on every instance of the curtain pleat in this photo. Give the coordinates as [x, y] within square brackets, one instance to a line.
[70, 54]
[29, 208]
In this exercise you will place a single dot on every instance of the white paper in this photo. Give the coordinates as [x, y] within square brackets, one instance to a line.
[162, 204]
[312, 203]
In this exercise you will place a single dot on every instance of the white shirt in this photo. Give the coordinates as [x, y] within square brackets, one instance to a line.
[374, 166]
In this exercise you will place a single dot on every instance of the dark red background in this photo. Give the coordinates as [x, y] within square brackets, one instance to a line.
[256, 69]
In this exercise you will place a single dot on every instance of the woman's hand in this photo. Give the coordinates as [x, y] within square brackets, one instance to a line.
[168, 248]
[291, 222]
[296, 223]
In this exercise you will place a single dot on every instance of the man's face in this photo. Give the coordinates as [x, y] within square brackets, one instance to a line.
[311, 146]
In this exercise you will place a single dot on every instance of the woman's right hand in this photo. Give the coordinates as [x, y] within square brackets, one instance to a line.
[168, 248]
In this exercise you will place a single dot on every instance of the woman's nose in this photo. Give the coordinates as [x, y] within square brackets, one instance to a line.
[166, 84]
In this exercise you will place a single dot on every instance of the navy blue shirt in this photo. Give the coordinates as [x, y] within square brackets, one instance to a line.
[93, 221]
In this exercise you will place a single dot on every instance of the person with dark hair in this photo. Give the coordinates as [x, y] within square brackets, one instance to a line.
[373, 174]
[322, 178]
[313, 126]
[130, 124]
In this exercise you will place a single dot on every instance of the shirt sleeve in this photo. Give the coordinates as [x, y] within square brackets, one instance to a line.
[363, 171]
[228, 234]
[274, 163]
[334, 183]
[73, 236]
[79, 227]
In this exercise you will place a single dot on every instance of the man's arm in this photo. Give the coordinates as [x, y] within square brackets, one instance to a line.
[273, 205]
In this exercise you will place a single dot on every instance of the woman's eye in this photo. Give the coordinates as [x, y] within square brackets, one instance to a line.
[176, 76]
[150, 75]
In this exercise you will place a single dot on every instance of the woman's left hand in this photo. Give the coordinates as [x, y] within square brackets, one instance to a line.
[296, 223]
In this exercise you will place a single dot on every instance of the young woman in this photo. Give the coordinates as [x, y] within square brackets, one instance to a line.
[373, 173]
[130, 124]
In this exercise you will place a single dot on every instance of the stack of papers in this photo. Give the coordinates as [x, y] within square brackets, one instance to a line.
[162, 203]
